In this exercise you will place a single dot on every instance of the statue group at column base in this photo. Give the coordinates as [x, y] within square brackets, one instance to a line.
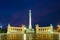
[29, 31]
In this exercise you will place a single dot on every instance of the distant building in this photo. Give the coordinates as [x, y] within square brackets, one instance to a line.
[47, 29]
[12, 29]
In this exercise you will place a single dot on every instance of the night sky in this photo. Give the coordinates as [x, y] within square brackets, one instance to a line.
[15, 12]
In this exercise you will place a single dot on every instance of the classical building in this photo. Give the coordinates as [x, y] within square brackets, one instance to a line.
[12, 29]
[23, 29]
[47, 29]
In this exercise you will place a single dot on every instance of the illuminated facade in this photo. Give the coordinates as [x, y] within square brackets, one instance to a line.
[12, 29]
[47, 29]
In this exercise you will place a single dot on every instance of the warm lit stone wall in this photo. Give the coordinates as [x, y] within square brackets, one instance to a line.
[12, 29]
[43, 29]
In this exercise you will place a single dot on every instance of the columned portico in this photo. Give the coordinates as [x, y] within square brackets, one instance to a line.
[47, 29]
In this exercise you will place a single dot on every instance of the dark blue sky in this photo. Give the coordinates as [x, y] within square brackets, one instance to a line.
[15, 12]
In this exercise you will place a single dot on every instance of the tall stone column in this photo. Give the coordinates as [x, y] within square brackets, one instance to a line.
[30, 26]
[30, 29]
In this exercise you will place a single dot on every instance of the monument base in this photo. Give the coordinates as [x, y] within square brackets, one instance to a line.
[29, 30]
